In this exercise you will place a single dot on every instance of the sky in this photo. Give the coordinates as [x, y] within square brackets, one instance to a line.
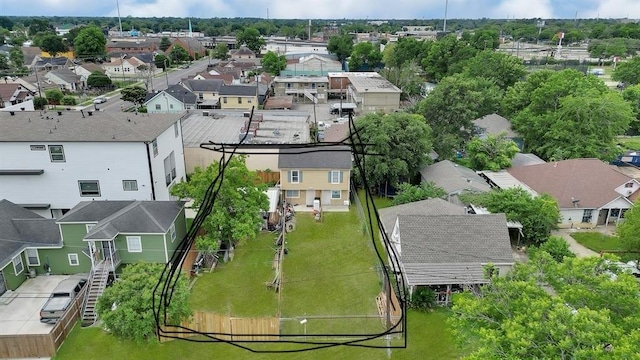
[327, 9]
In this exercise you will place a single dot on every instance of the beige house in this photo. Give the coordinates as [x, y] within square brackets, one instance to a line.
[373, 93]
[312, 176]
[302, 87]
[207, 91]
[238, 97]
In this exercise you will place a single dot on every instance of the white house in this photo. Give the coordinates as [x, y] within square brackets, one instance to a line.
[51, 161]
[175, 99]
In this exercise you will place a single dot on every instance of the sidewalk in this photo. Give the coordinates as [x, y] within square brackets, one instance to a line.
[574, 246]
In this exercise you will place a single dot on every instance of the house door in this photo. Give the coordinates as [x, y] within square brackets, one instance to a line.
[3, 286]
[109, 251]
[310, 196]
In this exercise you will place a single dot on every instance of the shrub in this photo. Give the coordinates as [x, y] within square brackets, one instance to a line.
[68, 100]
[423, 298]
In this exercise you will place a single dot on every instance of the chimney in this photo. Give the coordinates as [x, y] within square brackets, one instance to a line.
[12, 113]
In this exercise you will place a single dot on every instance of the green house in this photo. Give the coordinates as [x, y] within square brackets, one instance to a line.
[92, 235]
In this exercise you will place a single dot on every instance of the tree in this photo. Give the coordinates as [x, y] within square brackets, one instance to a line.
[70, 37]
[543, 309]
[68, 100]
[178, 54]
[250, 37]
[54, 96]
[537, 214]
[492, 153]
[40, 26]
[396, 146]
[485, 39]
[39, 102]
[98, 79]
[555, 246]
[628, 231]
[53, 44]
[134, 94]
[17, 57]
[631, 94]
[365, 57]
[408, 193]
[236, 214]
[452, 105]
[406, 49]
[126, 307]
[341, 46]
[446, 57]
[504, 69]
[628, 71]
[90, 43]
[165, 43]
[4, 62]
[273, 63]
[161, 61]
[221, 51]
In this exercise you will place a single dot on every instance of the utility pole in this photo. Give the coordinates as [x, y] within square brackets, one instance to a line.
[119, 20]
[444, 24]
[166, 72]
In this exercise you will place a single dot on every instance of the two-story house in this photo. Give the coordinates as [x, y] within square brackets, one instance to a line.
[207, 91]
[53, 160]
[13, 94]
[175, 99]
[125, 68]
[301, 86]
[238, 96]
[316, 174]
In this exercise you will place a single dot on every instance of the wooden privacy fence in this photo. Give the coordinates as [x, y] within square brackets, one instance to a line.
[43, 345]
[239, 329]
[268, 176]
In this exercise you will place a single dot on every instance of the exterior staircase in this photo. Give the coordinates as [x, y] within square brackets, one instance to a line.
[98, 282]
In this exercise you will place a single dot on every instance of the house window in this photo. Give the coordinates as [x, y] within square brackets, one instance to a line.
[628, 185]
[73, 259]
[336, 194]
[169, 168]
[134, 244]
[158, 107]
[170, 106]
[288, 85]
[18, 266]
[249, 101]
[294, 176]
[176, 130]
[313, 85]
[172, 232]
[292, 193]
[130, 185]
[239, 100]
[38, 147]
[224, 100]
[335, 177]
[89, 187]
[56, 152]
[89, 227]
[201, 96]
[154, 145]
[32, 257]
[586, 216]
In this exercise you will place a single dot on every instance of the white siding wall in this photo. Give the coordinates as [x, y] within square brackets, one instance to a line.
[167, 142]
[167, 104]
[109, 163]
[574, 216]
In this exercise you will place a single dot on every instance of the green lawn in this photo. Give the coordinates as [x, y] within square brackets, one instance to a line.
[630, 142]
[601, 242]
[428, 338]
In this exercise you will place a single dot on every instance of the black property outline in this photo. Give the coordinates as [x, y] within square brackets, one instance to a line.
[171, 272]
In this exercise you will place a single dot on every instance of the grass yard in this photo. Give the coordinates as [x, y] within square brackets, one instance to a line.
[237, 287]
[428, 338]
[601, 242]
[629, 142]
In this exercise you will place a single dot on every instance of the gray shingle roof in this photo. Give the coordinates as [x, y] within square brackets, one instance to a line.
[451, 249]
[521, 159]
[238, 90]
[454, 178]
[113, 217]
[319, 157]
[66, 75]
[427, 207]
[208, 85]
[21, 228]
[72, 126]
[494, 124]
[178, 92]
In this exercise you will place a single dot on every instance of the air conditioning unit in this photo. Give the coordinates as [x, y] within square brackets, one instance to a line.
[205, 113]
[629, 192]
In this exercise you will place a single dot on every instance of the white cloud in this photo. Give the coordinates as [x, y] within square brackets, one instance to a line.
[614, 9]
[523, 9]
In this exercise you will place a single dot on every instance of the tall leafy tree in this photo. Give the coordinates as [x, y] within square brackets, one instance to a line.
[178, 54]
[485, 39]
[452, 105]
[53, 44]
[544, 309]
[165, 43]
[365, 57]
[134, 94]
[629, 230]
[492, 153]
[126, 307]
[70, 37]
[54, 96]
[40, 26]
[98, 79]
[161, 61]
[17, 57]
[273, 63]
[250, 37]
[628, 71]
[537, 214]
[396, 146]
[221, 51]
[4, 63]
[236, 211]
[90, 43]
[446, 57]
[408, 193]
[504, 69]
[631, 94]
[341, 46]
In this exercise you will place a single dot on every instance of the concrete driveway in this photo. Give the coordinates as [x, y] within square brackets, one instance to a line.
[574, 246]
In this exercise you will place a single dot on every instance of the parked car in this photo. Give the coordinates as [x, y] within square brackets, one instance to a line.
[61, 298]
[100, 99]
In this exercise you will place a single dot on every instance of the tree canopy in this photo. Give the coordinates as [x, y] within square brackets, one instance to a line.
[98, 79]
[236, 212]
[90, 43]
[452, 105]
[178, 54]
[53, 44]
[628, 71]
[134, 94]
[446, 57]
[396, 146]
[221, 51]
[408, 193]
[365, 57]
[341, 46]
[492, 153]
[250, 37]
[165, 43]
[629, 230]
[273, 63]
[54, 96]
[504, 69]
[126, 307]
[537, 214]
[161, 61]
[543, 309]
